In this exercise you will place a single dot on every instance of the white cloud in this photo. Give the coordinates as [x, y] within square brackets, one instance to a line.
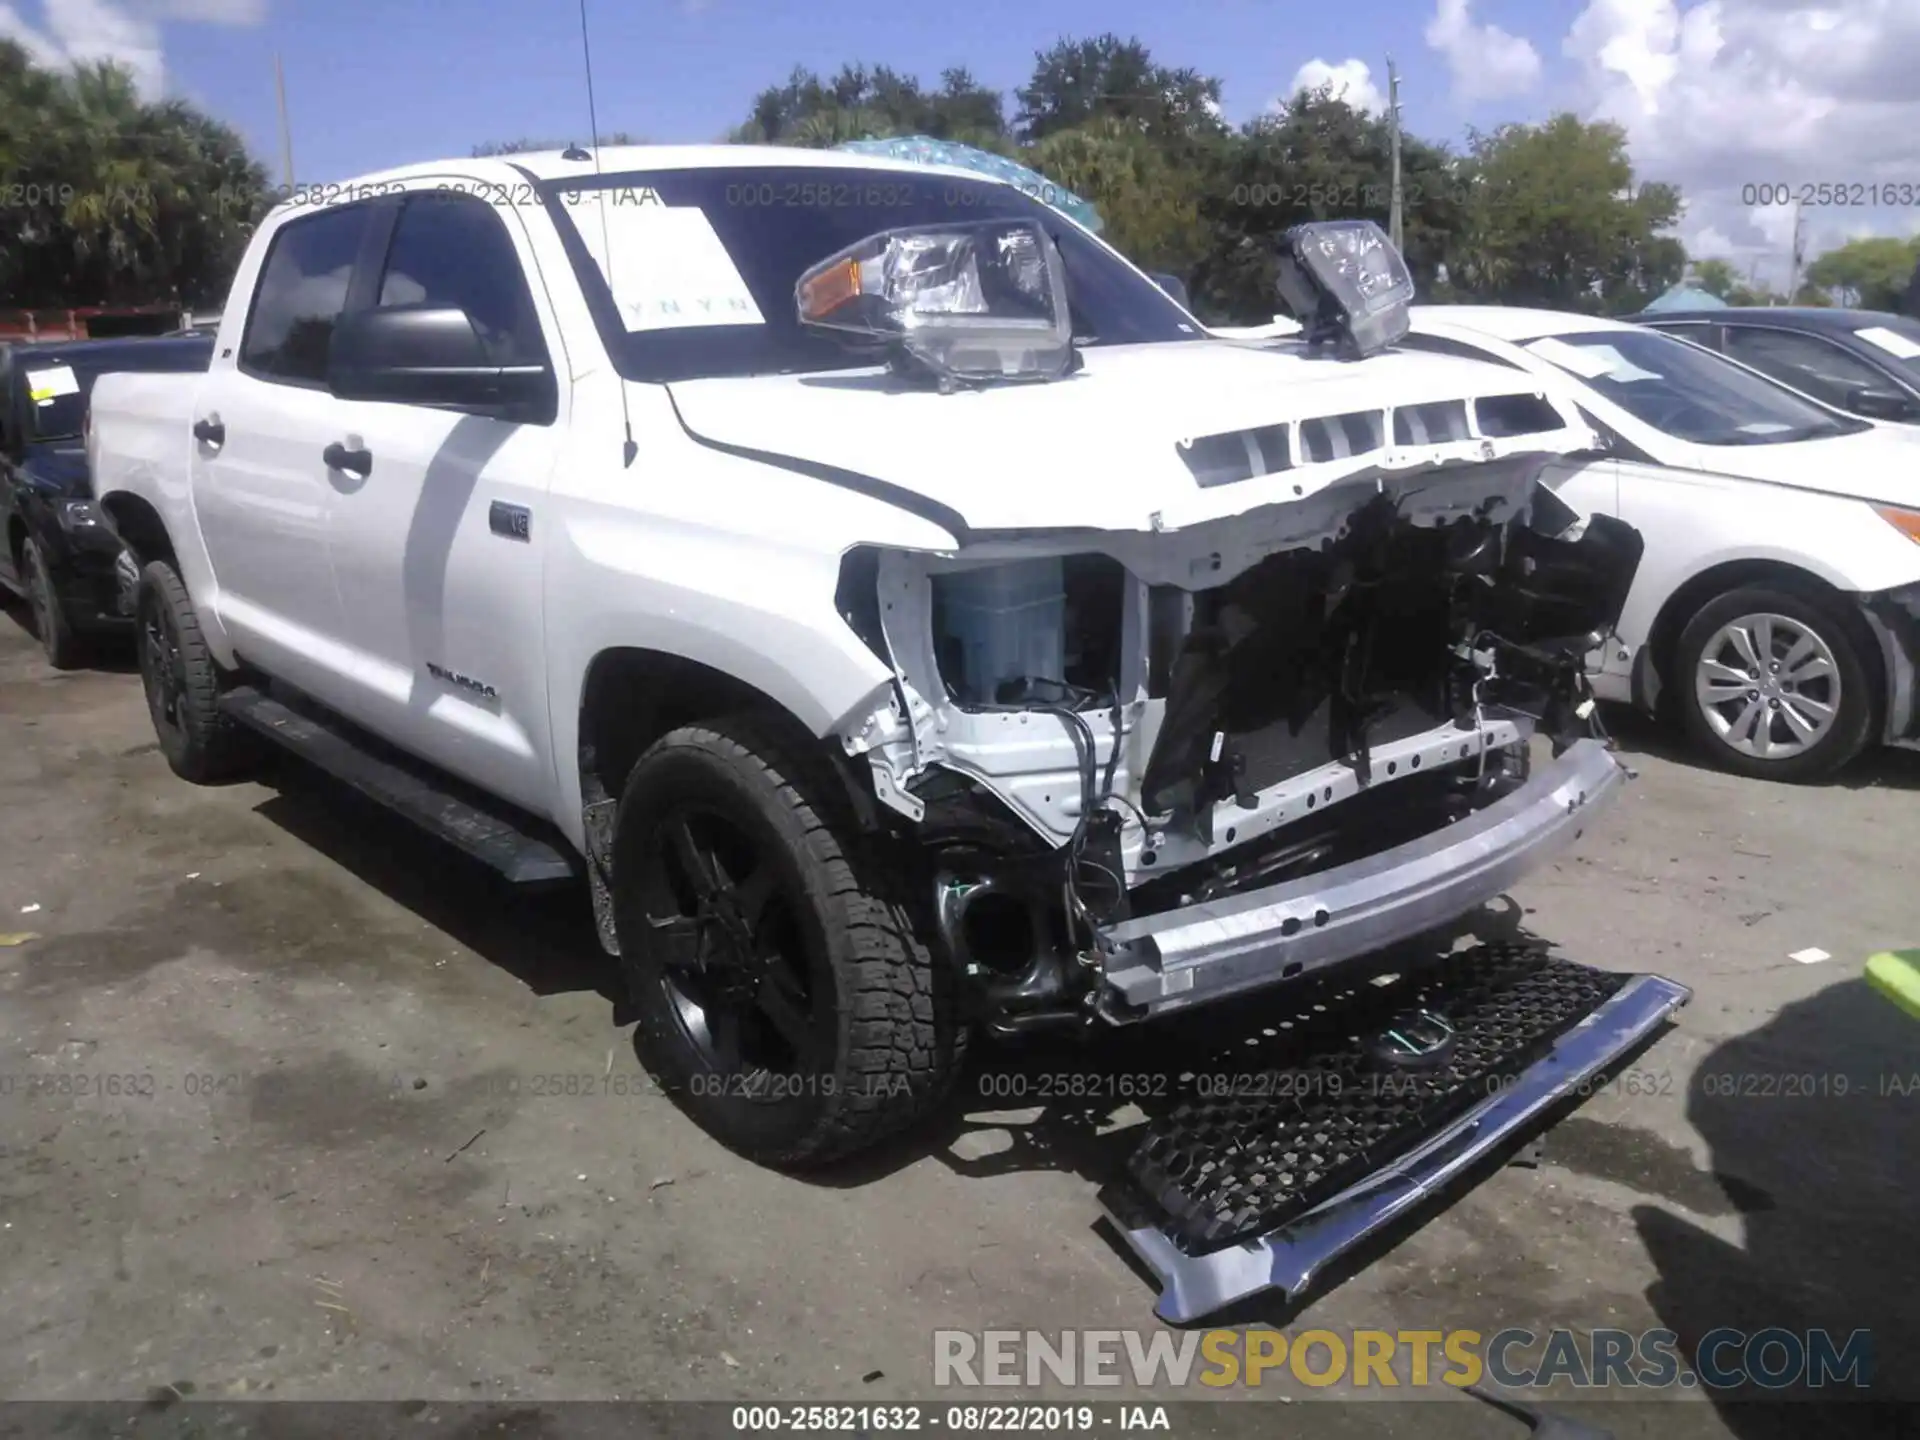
[1719, 96]
[1351, 80]
[126, 32]
[1486, 62]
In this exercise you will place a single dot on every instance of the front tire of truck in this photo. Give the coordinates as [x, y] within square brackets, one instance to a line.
[183, 683]
[784, 996]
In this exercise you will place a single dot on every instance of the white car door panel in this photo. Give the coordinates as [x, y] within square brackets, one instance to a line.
[441, 598]
[259, 486]
[438, 546]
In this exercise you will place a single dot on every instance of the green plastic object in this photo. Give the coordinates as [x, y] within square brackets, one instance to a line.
[1896, 975]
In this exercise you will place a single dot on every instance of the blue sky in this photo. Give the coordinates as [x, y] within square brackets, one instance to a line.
[375, 84]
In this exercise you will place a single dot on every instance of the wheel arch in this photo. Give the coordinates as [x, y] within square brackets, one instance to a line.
[630, 696]
[1652, 679]
[141, 529]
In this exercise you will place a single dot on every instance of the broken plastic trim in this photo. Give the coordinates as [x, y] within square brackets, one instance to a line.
[1289, 1258]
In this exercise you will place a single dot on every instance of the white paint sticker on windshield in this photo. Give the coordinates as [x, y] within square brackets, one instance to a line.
[1591, 362]
[1890, 341]
[669, 269]
[46, 386]
[1576, 358]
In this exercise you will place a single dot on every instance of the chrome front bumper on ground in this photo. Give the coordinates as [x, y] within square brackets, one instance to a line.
[1289, 1257]
[1206, 951]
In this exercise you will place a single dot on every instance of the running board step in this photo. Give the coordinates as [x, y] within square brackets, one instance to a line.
[1387, 1099]
[437, 804]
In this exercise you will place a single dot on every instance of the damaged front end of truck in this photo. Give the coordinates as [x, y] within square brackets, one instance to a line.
[1154, 771]
[1277, 722]
[1245, 662]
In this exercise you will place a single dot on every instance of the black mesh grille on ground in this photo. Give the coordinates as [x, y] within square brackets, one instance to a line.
[1262, 1147]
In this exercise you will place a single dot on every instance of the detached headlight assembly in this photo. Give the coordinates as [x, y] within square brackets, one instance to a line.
[1907, 522]
[976, 302]
[1347, 285]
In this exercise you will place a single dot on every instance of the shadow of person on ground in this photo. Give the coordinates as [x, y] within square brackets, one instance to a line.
[1816, 1113]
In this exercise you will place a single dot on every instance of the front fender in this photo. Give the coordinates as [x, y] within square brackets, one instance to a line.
[756, 609]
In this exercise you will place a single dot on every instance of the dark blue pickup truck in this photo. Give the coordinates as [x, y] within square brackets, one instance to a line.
[58, 556]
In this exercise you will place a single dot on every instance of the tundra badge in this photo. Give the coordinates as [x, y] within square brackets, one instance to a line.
[465, 682]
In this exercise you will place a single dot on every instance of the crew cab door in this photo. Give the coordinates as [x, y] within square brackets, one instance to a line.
[261, 486]
[438, 542]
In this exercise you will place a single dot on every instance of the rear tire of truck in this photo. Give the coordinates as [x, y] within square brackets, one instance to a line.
[784, 996]
[1777, 685]
[63, 647]
[183, 684]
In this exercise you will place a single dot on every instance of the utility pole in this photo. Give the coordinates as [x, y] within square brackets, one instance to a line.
[1393, 140]
[286, 132]
[1798, 256]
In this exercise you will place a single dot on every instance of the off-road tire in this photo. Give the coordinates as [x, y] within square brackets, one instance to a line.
[65, 648]
[201, 743]
[898, 1039]
[1861, 689]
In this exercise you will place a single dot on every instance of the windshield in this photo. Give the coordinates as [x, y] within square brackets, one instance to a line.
[1897, 338]
[1687, 392]
[705, 262]
[57, 392]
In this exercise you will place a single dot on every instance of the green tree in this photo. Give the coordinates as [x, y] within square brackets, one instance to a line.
[1871, 273]
[1078, 80]
[114, 200]
[1717, 277]
[1149, 205]
[870, 102]
[1554, 216]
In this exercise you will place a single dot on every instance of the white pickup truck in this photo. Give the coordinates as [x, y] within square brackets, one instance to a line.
[905, 615]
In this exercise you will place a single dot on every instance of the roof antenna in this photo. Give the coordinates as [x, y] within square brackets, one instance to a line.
[629, 450]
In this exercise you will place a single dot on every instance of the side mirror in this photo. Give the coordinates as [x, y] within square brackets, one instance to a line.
[1174, 286]
[1882, 404]
[432, 355]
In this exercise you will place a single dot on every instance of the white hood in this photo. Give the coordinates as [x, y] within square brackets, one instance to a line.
[1881, 464]
[1098, 449]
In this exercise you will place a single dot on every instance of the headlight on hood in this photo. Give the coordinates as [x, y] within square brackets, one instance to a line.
[980, 301]
[1907, 522]
[1347, 283]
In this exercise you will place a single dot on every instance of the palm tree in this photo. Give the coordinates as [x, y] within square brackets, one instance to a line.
[124, 200]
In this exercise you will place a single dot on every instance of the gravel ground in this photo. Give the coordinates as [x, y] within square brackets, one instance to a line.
[348, 1181]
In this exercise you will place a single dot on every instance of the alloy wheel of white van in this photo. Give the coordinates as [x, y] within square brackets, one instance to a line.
[1768, 685]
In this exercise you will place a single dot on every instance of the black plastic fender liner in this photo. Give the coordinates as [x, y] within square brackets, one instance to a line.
[1260, 1184]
